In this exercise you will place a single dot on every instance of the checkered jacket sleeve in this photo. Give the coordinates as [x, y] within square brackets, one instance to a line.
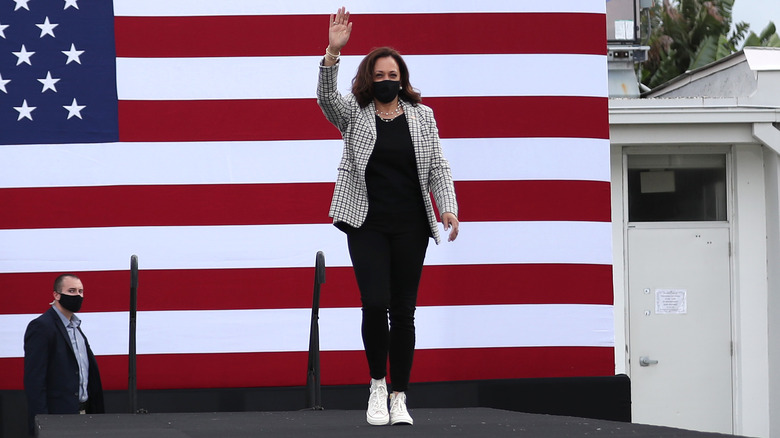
[350, 196]
[358, 129]
[335, 107]
[439, 175]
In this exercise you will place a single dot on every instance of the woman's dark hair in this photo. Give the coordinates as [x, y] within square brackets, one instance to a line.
[362, 85]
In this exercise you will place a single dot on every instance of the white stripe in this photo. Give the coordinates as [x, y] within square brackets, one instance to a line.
[109, 164]
[285, 162]
[255, 7]
[521, 325]
[272, 246]
[514, 159]
[238, 331]
[295, 76]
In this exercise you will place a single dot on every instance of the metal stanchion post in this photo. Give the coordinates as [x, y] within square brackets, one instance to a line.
[313, 400]
[131, 380]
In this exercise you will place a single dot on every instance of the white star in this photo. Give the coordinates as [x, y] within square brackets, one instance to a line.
[71, 3]
[24, 110]
[48, 83]
[47, 28]
[2, 84]
[74, 109]
[2, 28]
[73, 54]
[23, 55]
[21, 4]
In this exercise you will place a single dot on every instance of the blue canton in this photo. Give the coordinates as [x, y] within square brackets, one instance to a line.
[57, 72]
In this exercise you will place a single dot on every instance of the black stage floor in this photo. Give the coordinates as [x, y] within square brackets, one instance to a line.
[428, 423]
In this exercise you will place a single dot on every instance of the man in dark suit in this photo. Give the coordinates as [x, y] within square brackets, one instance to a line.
[60, 372]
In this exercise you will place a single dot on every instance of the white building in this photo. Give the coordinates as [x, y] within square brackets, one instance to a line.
[696, 228]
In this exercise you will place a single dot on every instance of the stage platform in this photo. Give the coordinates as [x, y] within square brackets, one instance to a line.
[428, 423]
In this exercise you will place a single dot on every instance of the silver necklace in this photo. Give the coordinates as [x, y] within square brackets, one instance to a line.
[390, 115]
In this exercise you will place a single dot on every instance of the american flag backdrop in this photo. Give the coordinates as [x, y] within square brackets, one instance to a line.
[187, 132]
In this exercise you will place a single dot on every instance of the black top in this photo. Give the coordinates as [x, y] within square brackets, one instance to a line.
[391, 175]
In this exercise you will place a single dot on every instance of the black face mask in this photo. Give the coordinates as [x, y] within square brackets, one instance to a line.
[387, 90]
[71, 302]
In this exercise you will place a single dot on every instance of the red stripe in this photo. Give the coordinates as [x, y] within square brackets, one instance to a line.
[302, 119]
[297, 35]
[163, 205]
[223, 120]
[282, 288]
[521, 116]
[548, 200]
[338, 367]
[264, 204]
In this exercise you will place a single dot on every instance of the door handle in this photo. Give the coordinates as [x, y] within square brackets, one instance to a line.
[645, 361]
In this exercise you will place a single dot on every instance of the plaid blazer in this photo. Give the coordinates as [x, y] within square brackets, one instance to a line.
[358, 128]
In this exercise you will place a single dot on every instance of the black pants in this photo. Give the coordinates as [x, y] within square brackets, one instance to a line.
[388, 263]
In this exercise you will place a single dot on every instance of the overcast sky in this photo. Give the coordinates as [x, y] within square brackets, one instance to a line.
[757, 13]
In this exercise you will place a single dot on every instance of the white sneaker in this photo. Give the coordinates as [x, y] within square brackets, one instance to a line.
[377, 414]
[398, 412]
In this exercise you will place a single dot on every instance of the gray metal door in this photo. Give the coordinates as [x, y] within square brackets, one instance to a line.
[679, 327]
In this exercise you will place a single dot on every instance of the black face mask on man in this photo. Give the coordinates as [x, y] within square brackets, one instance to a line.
[71, 302]
[387, 90]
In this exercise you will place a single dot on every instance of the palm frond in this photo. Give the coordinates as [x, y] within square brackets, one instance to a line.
[706, 53]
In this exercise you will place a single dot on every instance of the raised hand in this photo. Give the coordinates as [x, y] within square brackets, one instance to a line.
[339, 30]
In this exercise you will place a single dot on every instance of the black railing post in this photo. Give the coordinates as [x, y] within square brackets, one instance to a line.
[313, 400]
[132, 387]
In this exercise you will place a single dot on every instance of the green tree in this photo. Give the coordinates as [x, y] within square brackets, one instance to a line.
[767, 38]
[688, 34]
